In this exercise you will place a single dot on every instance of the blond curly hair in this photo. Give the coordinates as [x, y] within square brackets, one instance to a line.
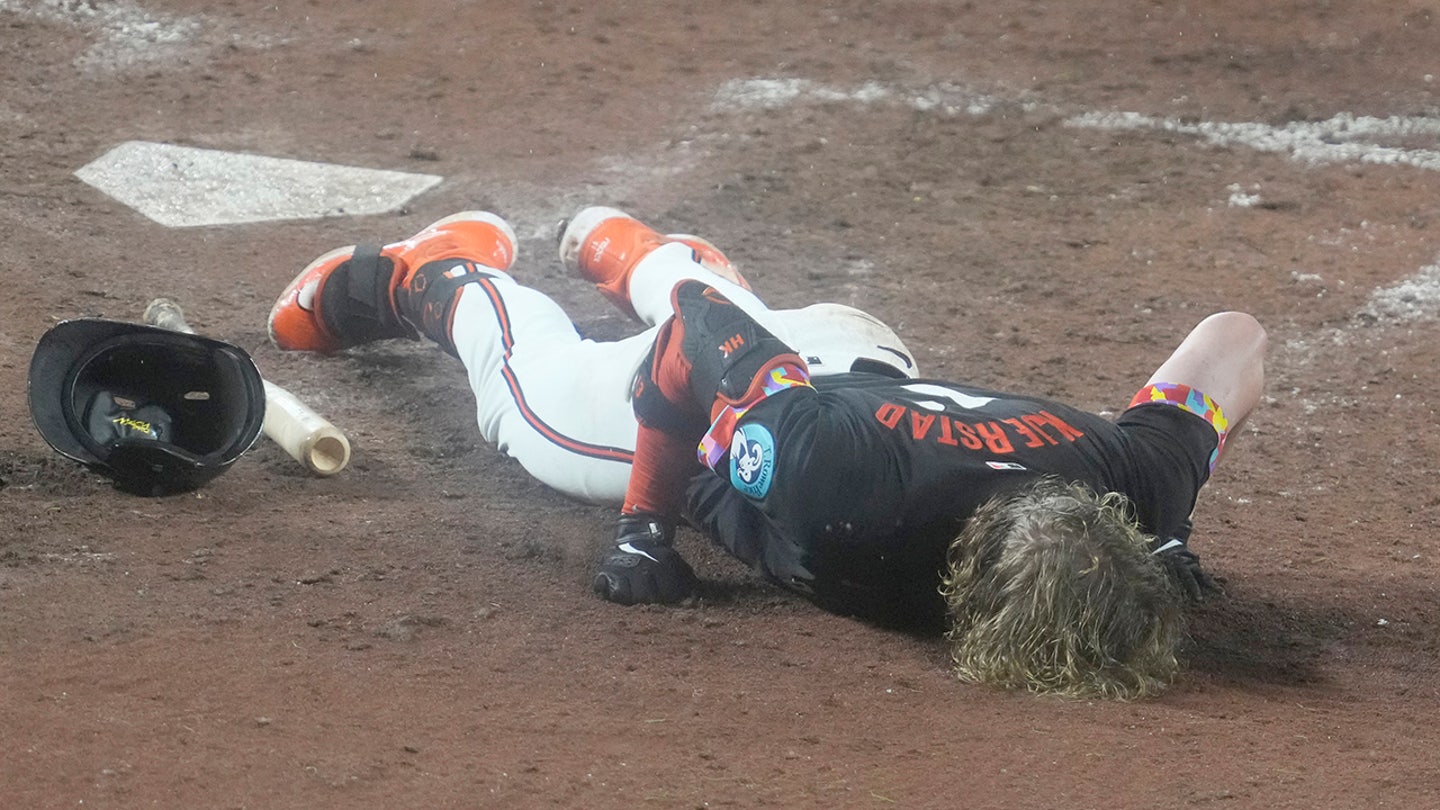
[1051, 589]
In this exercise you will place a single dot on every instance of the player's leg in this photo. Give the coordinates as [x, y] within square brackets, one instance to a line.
[1223, 358]
[526, 363]
[635, 267]
[832, 338]
[558, 404]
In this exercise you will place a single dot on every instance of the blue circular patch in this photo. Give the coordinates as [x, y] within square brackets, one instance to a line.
[752, 460]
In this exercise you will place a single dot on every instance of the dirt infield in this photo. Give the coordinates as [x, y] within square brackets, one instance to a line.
[1038, 196]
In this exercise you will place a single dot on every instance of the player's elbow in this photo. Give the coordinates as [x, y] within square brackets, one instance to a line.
[1242, 330]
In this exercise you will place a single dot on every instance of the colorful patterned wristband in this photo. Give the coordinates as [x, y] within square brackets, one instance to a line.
[1188, 399]
[716, 442]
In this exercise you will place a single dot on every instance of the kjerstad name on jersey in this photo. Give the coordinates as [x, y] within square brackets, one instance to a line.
[1028, 430]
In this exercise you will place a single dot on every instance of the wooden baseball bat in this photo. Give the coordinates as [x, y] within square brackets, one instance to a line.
[306, 435]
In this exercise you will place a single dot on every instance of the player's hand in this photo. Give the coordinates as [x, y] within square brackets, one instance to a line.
[643, 568]
[1183, 567]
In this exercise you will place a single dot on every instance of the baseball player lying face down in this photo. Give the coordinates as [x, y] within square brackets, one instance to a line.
[802, 442]
[1048, 542]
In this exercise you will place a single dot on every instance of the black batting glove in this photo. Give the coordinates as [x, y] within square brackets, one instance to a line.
[1183, 567]
[643, 568]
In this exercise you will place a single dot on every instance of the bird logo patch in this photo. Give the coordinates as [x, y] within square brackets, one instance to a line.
[752, 460]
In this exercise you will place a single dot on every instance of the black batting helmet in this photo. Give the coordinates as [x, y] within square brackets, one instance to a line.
[155, 410]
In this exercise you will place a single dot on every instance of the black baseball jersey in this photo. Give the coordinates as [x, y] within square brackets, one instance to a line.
[852, 491]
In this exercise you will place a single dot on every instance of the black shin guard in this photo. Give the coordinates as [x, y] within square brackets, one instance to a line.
[355, 302]
[726, 348]
[428, 300]
[706, 356]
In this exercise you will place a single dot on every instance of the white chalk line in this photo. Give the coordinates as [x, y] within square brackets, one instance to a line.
[1344, 138]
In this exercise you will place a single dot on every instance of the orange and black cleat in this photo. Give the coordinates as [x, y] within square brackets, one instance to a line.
[357, 294]
[603, 245]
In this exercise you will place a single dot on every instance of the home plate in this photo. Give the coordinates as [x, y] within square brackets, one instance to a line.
[182, 186]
